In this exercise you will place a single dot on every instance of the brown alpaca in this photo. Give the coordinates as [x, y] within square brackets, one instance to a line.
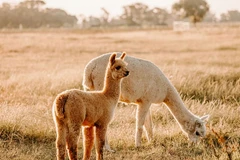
[94, 109]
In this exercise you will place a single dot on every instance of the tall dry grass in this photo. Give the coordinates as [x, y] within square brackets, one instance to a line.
[203, 64]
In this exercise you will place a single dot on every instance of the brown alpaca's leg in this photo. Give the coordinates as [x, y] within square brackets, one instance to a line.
[61, 140]
[148, 126]
[88, 141]
[100, 141]
[72, 140]
[140, 116]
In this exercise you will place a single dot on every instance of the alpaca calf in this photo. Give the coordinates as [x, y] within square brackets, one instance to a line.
[94, 109]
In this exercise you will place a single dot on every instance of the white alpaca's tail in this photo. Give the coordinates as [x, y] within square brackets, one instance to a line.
[59, 105]
[87, 82]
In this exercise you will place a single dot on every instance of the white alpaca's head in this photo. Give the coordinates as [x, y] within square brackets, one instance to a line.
[196, 129]
[118, 66]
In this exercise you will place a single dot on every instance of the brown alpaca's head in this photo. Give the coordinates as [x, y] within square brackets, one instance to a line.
[118, 66]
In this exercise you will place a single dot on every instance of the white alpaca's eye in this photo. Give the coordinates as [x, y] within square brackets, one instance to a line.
[118, 67]
[197, 133]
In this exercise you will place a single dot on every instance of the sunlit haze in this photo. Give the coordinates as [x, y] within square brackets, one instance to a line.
[93, 7]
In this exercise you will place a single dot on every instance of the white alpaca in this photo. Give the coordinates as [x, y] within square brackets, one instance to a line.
[146, 85]
[94, 109]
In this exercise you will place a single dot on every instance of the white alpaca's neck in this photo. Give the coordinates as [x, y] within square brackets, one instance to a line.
[175, 104]
[111, 86]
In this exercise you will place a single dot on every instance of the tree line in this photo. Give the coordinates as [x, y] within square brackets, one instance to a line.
[33, 14]
[137, 14]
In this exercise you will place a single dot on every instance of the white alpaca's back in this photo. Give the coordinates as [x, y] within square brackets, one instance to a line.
[144, 83]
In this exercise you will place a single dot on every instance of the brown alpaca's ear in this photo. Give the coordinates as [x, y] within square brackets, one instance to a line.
[123, 55]
[112, 58]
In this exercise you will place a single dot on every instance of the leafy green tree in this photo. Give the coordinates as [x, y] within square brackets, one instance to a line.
[32, 4]
[5, 14]
[209, 17]
[140, 14]
[58, 18]
[230, 16]
[156, 16]
[224, 17]
[134, 14]
[193, 9]
[234, 15]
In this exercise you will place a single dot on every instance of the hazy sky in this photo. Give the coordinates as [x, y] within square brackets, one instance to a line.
[93, 7]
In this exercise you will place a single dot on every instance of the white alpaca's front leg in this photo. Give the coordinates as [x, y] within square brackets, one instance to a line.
[148, 126]
[107, 146]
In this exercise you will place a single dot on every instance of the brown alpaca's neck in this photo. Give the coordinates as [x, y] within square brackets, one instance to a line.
[111, 86]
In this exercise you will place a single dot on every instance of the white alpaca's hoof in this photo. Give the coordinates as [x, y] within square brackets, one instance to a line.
[108, 148]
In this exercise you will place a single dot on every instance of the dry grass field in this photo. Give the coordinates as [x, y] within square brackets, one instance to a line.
[203, 64]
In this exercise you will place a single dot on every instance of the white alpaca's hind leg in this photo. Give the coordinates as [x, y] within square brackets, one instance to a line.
[140, 117]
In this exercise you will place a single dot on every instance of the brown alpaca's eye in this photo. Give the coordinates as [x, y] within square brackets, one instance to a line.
[118, 67]
[197, 133]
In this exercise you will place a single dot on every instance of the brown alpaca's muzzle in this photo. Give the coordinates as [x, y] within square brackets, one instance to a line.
[126, 73]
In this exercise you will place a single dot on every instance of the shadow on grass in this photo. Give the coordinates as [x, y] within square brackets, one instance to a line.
[15, 134]
[16, 144]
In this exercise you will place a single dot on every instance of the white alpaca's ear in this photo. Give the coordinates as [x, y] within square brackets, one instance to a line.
[205, 118]
[123, 55]
[112, 58]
